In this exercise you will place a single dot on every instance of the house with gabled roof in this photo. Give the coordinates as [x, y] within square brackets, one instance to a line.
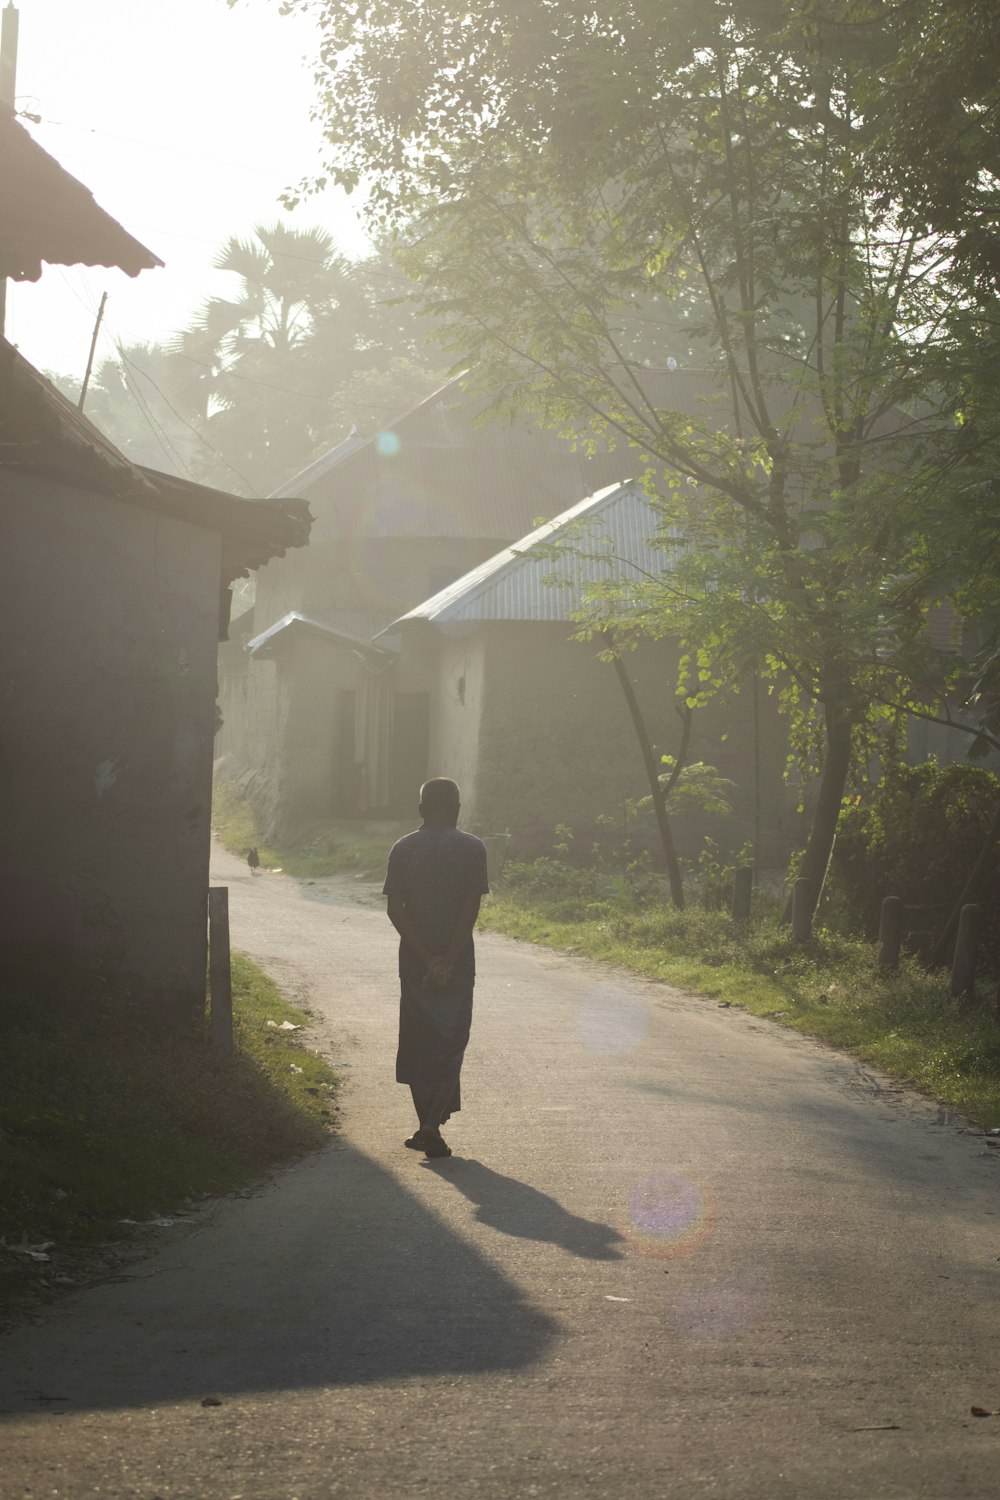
[114, 591]
[317, 721]
[115, 588]
[531, 721]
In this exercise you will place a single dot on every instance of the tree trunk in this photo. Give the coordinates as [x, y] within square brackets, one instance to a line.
[833, 779]
[653, 777]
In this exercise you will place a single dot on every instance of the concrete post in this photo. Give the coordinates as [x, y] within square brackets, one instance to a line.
[219, 972]
[963, 966]
[742, 892]
[802, 910]
[890, 933]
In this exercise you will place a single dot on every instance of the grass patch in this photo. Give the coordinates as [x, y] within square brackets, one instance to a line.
[103, 1118]
[337, 846]
[905, 1023]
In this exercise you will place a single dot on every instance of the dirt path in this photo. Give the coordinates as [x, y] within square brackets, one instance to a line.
[678, 1253]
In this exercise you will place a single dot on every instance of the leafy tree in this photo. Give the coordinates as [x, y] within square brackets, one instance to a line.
[269, 373]
[553, 168]
[916, 836]
[310, 346]
[934, 106]
[127, 400]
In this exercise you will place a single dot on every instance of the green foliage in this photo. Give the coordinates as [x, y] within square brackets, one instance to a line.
[106, 1116]
[916, 835]
[698, 787]
[336, 846]
[714, 874]
[563, 176]
[308, 346]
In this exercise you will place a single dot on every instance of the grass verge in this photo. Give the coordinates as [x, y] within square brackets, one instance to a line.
[104, 1120]
[833, 989]
[338, 846]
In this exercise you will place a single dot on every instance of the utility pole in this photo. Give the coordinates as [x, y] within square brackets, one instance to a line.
[93, 346]
[8, 90]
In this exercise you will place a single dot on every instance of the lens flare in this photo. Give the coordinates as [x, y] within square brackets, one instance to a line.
[387, 445]
[669, 1215]
[610, 1020]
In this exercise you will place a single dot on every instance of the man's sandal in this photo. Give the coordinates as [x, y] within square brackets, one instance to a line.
[434, 1146]
[415, 1141]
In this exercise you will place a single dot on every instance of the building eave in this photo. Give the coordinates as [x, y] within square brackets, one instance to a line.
[53, 218]
[263, 645]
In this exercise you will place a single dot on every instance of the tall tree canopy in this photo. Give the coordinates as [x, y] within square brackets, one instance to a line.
[308, 345]
[563, 174]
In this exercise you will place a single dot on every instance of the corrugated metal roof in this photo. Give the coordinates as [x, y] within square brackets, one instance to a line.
[50, 216]
[308, 476]
[616, 525]
[261, 644]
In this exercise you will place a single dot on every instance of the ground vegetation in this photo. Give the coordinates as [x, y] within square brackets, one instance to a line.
[108, 1121]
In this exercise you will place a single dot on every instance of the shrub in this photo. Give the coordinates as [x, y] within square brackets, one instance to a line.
[916, 836]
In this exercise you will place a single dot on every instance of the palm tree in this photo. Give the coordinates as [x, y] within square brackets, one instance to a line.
[246, 369]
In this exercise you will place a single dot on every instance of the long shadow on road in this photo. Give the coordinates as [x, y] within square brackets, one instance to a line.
[333, 1275]
[514, 1208]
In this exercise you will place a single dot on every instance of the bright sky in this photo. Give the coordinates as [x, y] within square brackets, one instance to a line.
[186, 120]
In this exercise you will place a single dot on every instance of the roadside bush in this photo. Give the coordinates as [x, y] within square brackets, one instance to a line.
[916, 836]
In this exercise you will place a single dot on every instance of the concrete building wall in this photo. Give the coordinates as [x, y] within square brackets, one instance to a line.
[249, 747]
[108, 635]
[548, 740]
[457, 683]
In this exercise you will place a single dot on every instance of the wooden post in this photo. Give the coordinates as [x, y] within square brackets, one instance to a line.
[8, 95]
[220, 976]
[802, 909]
[742, 892]
[890, 933]
[93, 348]
[963, 966]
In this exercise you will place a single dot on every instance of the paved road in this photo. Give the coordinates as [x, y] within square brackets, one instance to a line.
[678, 1253]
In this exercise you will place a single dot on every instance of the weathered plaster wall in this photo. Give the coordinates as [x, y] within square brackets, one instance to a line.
[456, 680]
[249, 747]
[108, 635]
[317, 671]
[554, 743]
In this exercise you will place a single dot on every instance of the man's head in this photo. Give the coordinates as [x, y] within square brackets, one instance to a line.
[439, 801]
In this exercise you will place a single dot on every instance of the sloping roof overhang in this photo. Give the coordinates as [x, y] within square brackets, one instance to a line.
[263, 644]
[43, 434]
[50, 216]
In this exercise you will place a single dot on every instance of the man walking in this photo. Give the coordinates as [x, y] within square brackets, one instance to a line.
[435, 882]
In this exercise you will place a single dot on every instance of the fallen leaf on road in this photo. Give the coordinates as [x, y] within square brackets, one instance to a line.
[211, 1401]
[981, 1411]
[618, 1299]
[878, 1427]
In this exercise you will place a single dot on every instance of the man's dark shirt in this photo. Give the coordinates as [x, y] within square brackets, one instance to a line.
[433, 871]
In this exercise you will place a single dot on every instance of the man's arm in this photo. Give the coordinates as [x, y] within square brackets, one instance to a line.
[467, 917]
[400, 919]
[442, 967]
